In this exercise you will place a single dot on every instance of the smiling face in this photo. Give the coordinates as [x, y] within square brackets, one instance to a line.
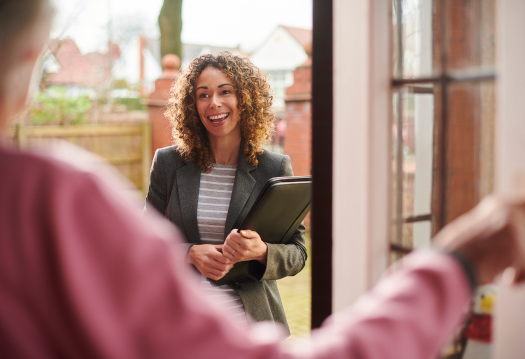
[217, 105]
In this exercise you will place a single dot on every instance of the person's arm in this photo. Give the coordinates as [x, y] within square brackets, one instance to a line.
[409, 314]
[124, 293]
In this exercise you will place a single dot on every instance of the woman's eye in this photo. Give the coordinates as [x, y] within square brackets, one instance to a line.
[203, 95]
[226, 92]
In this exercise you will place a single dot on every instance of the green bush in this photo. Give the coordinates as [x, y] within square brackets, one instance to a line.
[131, 103]
[57, 106]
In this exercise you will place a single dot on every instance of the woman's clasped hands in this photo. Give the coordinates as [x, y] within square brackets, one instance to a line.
[214, 261]
[245, 246]
[209, 260]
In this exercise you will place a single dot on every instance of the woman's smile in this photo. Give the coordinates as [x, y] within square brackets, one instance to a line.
[219, 119]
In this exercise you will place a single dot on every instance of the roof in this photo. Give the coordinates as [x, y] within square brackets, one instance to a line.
[75, 69]
[101, 62]
[303, 36]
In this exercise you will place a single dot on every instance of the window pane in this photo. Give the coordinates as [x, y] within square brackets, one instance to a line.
[412, 196]
[469, 155]
[422, 234]
[470, 34]
[416, 38]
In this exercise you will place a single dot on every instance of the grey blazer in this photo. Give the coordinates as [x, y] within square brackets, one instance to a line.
[174, 192]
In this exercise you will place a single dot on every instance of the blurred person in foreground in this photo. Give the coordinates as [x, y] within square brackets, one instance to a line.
[220, 112]
[83, 276]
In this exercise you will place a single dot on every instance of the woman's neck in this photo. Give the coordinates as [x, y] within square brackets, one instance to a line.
[225, 151]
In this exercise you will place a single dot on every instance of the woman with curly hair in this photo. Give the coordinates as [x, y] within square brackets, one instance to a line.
[220, 112]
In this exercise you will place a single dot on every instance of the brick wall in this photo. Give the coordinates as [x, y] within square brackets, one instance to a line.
[160, 126]
[298, 137]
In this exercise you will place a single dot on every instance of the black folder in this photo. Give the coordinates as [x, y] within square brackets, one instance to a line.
[276, 214]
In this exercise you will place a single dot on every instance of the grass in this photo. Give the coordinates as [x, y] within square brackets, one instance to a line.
[296, 297]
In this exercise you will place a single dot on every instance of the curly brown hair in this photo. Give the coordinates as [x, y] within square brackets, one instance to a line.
[255, 100]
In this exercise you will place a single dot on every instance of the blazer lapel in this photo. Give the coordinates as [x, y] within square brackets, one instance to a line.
[242, 189]
[188, 183]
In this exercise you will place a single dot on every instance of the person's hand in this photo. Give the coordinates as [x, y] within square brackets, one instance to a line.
[245, 246]
[209, 261]
[491, 238]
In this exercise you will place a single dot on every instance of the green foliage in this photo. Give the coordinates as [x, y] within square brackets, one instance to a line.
[131, 103]
[120, 84]
[56, 106]
[170, 24]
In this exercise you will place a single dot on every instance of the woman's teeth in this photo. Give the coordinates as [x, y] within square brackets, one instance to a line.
[218, 118]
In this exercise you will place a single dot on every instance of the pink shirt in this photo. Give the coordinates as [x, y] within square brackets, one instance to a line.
[82, 275]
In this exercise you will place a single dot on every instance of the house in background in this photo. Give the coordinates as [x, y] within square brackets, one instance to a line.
[64, 65]
[103, 62]
[284, 50]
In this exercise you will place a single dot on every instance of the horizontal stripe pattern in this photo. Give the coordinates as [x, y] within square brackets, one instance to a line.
[227, 298]
[215, 193]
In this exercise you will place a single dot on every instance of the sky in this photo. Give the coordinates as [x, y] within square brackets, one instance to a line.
[209, 22]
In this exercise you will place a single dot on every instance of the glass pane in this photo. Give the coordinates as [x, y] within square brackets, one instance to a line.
[418, 123]
[395, 48]
[413, 158]
[422, 234]
[396, 191]
[469, 172]
[415, 38]
[408, 235]
[470, 35]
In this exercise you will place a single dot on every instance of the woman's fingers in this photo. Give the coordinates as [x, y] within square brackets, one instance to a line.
[216, 265]
[218, 260]
[231, 250]
[209, 260]
[218, 269]
[245, 246]
[246, 233]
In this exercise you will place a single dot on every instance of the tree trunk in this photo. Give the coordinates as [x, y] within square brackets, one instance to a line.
[170, 24]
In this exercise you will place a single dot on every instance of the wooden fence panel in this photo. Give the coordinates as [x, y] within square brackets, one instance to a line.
[127, 147]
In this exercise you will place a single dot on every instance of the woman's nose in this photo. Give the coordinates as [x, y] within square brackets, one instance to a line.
[215, 102]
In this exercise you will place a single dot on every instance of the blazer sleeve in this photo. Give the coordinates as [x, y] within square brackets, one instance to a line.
[157, 196]
[157, 189]
[282, 259]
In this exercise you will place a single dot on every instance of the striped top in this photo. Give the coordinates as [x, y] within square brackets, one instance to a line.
[214, 200]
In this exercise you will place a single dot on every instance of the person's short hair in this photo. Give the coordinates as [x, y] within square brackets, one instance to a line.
[16, 17]
[255, 100]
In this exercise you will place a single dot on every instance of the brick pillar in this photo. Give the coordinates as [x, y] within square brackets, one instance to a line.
[298, 137]
[160, 126]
